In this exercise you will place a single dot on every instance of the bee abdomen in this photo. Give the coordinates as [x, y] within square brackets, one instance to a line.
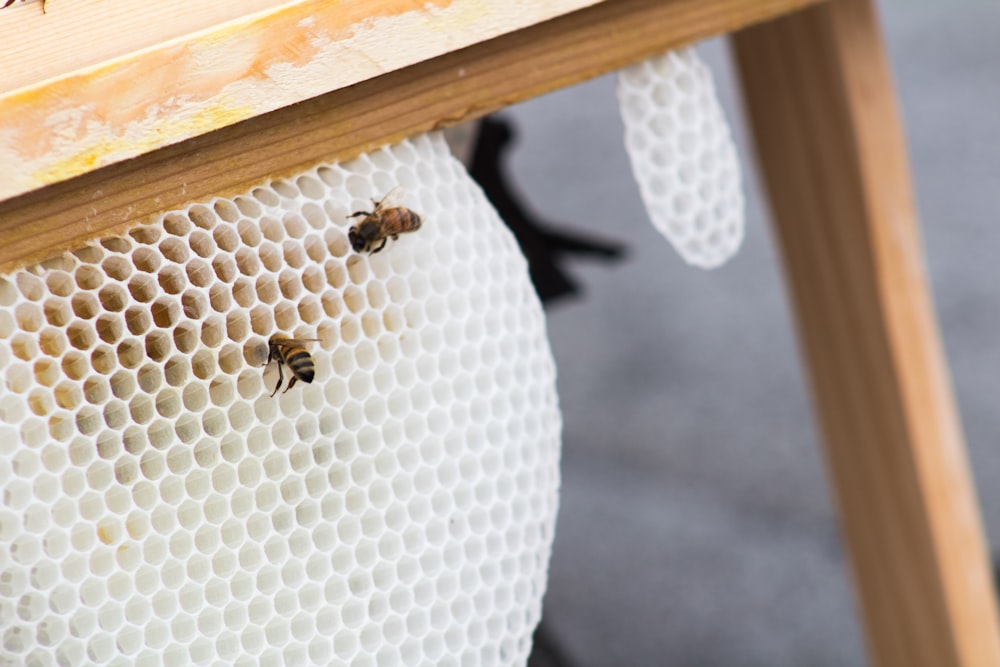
[301, 365]
[412, 220]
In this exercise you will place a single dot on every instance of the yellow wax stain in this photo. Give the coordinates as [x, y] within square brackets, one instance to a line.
[108, 151]
[465, 15]
[108, 531]
[134, 104]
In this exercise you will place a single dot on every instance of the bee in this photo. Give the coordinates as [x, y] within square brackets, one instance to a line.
[387, 219]
[291, 351]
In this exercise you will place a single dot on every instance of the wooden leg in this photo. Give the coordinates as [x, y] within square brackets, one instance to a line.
[823, 111]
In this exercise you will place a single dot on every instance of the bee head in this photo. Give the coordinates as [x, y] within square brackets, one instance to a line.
[357, 241]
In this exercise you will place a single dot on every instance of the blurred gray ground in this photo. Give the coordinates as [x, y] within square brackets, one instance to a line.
[696, 526]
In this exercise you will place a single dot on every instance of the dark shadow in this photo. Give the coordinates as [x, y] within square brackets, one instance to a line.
[546, 650]
[542, 243]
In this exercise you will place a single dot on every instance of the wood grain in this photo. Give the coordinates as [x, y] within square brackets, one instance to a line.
[444, 91]
[828, 133]
[72, 35]
[112, 80]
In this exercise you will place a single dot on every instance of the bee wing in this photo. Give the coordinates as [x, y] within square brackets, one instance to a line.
[285, 342]
[392, 199]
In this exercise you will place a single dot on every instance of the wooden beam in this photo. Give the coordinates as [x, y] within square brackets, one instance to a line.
[71, 35]
[461, 85]
[88, 84]
[828, 133]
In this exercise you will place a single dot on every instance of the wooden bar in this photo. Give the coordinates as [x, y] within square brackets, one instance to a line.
[88, 84]
[828, 133]
[459, 86]
[78, 35]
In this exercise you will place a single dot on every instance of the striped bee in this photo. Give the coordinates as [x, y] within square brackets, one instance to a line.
[291, 351]
[387, 219]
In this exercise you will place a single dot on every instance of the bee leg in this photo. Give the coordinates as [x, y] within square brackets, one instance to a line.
[384, 241]
[290, 384]
[281, 378]
[357, 213]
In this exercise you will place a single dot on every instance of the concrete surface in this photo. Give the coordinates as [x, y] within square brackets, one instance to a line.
[696, 526]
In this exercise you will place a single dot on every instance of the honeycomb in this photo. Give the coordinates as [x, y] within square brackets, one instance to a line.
[683, 156]
[160, 508]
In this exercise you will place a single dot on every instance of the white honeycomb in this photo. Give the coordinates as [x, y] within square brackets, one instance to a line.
[683, 156]
[158, 507]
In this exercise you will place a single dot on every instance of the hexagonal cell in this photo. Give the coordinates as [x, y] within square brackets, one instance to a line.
[225, 267]
[117, 267]
[199, 273]
[88, 277]
[172, 280]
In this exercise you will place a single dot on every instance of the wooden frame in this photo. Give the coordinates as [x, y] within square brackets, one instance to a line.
[88, 84]
[827, 130]
[824, 114]
[443, 91]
